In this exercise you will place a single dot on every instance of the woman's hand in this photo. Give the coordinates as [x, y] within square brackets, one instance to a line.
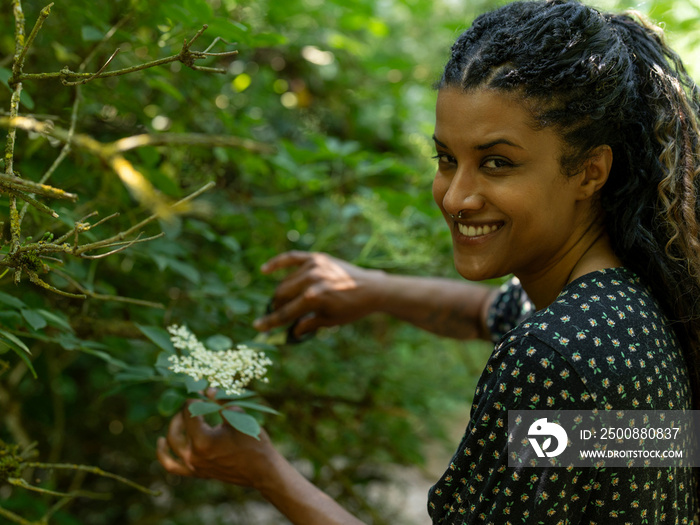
[326, 291]
[194, 448]
[322, 291]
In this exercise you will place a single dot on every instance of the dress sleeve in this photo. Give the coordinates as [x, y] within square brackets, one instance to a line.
[508, 310]
[479, 486]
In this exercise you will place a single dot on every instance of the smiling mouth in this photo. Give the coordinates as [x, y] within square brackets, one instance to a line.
[477, 231]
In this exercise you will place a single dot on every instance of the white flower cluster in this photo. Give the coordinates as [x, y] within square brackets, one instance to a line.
[231, 370]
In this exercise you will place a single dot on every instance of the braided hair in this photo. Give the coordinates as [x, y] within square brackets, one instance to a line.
[609, 79]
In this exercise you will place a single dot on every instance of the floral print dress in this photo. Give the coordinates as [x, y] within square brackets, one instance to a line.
[602, 344]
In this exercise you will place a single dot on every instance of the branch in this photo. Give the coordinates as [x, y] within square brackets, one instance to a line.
[20, 184]
[14, 517]
[18, 62]
[186, 56]
[35, 279]
[110, 153]
[103, 297]
[190, 139]
[19, 482]
[93, 470]
[27, 258]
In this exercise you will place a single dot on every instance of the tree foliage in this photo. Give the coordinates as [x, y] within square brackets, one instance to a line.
[318, 138]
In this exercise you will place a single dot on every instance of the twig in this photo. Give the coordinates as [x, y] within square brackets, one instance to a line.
[93, 470]
[18, 183]
[16, 87]
[123, 246]
[99, 71]
[29, 200]
[18, 63]
[190, 139]
[81, 226]
[122, 235]
[103, 297]
[14, 517]
[213, 43]
[186, 56]
[35, 279]
[19, 482]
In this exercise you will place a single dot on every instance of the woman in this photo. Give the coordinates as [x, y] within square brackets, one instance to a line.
[567, 148]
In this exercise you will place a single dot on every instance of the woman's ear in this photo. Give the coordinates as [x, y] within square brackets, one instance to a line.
[596, 170]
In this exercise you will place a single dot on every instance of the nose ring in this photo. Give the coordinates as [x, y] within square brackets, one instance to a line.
[458, 216]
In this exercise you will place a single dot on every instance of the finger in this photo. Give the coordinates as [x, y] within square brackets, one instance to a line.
[197, 429]
[296, 283]
[169, 463]
[286, 314]
[310, 324]
[285, 260]
[176, 437]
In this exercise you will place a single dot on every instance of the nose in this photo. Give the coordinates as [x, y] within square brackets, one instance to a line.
[462, 193]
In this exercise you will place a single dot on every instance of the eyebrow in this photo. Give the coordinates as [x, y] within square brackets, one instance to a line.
[482, 147]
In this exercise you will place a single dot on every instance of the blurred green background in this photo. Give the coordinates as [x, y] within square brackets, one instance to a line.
[343, 91]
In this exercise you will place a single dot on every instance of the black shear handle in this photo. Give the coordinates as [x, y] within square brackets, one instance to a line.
[292, 338]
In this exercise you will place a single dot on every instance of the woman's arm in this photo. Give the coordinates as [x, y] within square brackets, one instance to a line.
[326, 291]
[193, 448]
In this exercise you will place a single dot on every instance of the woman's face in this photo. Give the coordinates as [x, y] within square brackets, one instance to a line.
[519, 213]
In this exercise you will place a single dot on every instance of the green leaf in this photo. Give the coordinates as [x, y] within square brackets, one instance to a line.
[253, 406]
[91, 34]
[26, 99]
[135, 373]
[158, 336]
[244, 423]
[195, 386]
[188, 271]
[267, 40]
[165, 87]
[199, 9]
[170, 402]
[56, 319]
[221, 395]
[24, 357]
[34, 318]
[14, 342]
[163, 364]
[24, 96]
[103, 355]
[11, 300]
[68, 341]
[237, 306]
[199, 408]
[219, 343]
[5, 75]
[231, 243]
[18, 347]
[233, 32]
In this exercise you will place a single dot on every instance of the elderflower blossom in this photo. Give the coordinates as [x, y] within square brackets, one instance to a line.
[231, 370]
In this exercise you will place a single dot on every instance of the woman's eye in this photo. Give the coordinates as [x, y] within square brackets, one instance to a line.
[444, 158]
[496, 163]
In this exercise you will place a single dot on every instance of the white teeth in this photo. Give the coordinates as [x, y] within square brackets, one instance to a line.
[471, 231]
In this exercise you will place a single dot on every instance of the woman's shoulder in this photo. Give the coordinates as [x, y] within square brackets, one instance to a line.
[607, 327]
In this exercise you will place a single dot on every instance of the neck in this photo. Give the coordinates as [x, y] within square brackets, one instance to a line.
[591, 253]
